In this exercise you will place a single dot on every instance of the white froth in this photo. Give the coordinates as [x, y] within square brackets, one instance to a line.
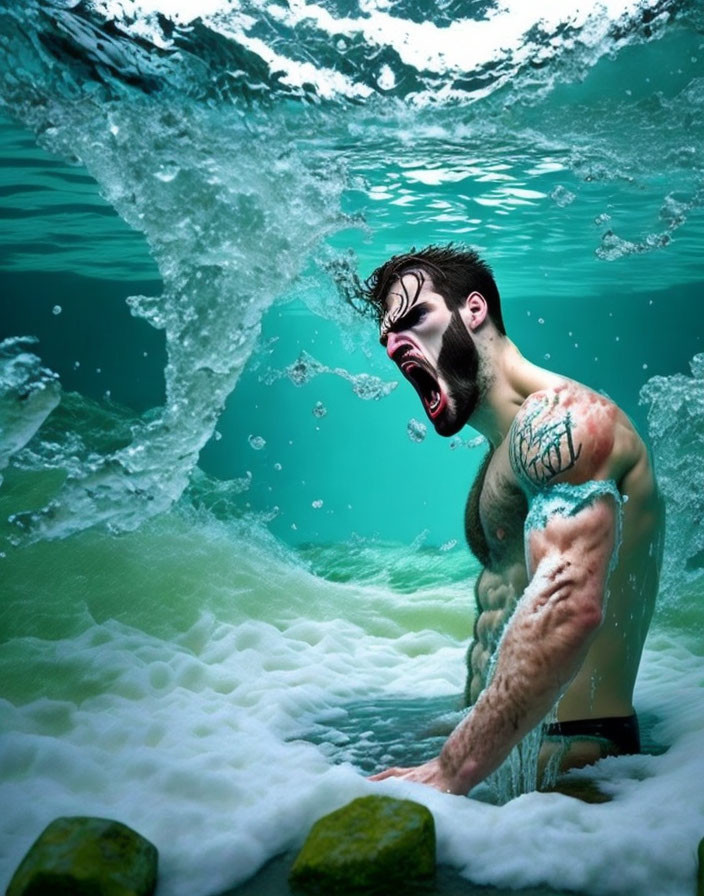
[465, 45]
[187, 740]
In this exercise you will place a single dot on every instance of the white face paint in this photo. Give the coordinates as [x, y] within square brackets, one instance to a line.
[401, 297]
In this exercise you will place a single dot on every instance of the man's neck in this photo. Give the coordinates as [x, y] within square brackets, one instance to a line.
[508, 379]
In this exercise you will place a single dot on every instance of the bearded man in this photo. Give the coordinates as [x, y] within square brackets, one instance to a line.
[565, 518]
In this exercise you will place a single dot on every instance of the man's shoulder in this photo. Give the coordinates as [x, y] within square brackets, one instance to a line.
[566, 433]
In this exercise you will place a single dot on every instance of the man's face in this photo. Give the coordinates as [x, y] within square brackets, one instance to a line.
[433, 349]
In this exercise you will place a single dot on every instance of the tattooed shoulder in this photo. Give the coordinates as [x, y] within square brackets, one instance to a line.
[560, 435]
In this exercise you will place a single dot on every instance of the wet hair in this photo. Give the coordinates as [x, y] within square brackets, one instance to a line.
[455, 273]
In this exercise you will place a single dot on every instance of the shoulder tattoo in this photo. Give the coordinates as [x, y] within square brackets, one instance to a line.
[542, 444]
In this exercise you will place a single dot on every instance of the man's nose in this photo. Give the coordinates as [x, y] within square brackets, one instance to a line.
[392, 343]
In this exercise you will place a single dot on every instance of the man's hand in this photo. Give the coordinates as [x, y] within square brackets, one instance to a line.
[430, 773]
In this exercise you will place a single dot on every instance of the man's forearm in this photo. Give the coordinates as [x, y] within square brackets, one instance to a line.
[541, 650]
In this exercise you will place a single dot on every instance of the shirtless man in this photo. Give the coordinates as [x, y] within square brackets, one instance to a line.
[565, 518]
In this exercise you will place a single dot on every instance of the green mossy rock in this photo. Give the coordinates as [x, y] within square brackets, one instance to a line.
[368, 846]
[87, 857]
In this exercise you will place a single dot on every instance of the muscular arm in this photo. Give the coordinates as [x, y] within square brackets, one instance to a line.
[543, 645]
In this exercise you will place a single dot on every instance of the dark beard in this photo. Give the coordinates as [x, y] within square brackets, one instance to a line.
[458, 364]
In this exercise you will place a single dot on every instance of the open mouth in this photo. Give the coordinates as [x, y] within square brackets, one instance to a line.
[427, 387]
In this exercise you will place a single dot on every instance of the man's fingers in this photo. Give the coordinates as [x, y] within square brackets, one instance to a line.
[388, 773]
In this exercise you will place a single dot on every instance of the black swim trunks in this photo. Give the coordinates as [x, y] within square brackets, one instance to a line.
[620, 733]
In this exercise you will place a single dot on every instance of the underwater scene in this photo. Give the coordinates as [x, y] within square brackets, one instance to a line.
[233, 573]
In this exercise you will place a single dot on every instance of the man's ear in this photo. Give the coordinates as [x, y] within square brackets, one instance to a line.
[475, 310]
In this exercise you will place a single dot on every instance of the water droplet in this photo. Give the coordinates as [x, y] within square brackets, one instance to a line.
[57, 309]
[256, 442]
[319, 409]
[541, 320]
[317, 504]
[416, 430]
[546, 356]
[76, 365]
[645, 367]
[278, 467]
[217, 435]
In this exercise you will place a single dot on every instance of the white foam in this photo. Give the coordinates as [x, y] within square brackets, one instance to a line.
[186, 740]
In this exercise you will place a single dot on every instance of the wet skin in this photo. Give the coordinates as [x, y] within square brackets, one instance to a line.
[571, 631]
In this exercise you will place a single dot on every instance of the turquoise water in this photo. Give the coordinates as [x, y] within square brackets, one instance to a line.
[233, 570]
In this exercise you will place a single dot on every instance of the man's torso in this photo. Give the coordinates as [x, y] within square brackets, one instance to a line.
[494, 522]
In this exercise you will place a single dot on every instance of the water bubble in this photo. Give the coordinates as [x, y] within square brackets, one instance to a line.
[546, 356]
[278, 467]
[541, 320]
[449, 545]
[217, 435]
[416, 430]
[562, 196]
[319, 409]
[645, 367]
[256, 442]
[386, 79]
[56, 310]
[76, 365]
[317, 504]
[98, 369]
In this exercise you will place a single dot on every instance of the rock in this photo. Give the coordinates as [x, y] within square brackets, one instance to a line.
[700, 870]
[372, 842]
[87, 857]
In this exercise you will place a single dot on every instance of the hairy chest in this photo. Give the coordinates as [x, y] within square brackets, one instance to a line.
[495, 513]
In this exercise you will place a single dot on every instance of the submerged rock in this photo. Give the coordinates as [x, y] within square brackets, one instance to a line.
[87, 857]
[372, 843]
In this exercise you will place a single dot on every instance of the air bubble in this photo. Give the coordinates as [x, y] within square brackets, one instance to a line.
[278, 468]
[416, 430]
[319, 409]
[317, 504]
[256, 442]
[56, 310]
[541, 320]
